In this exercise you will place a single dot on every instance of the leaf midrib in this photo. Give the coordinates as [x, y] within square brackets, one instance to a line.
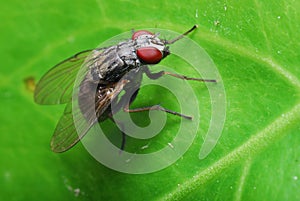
[270, 134]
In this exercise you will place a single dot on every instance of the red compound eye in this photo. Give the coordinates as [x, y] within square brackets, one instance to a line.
[149, 55]
[139, 33]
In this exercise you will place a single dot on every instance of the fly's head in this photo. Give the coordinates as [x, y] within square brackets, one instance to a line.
[150, 49]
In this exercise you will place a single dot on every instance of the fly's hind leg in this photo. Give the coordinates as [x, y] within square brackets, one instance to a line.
[156, 107]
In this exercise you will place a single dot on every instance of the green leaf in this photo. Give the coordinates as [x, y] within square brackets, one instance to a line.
[255, 46]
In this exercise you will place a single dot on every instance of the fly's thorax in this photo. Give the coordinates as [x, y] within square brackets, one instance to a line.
[127, 52]
[111, 63]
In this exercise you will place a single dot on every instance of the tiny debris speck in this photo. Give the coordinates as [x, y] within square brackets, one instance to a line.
[216, 22]
[76, 192]
[145, 146]
[170, 145]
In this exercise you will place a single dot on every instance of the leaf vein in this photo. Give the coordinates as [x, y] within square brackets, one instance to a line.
[246, 169]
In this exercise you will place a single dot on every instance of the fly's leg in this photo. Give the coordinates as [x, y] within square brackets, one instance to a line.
[156, 107]
[155, 76]
[123, 138]
[123, 134]
[120, 123]
[123, 141]
[118, 105]
[124, 101]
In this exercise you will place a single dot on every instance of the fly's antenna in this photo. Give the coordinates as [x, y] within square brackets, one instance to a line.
[182, 35]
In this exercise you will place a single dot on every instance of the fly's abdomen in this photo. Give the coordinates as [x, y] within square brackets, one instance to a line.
[94, 99]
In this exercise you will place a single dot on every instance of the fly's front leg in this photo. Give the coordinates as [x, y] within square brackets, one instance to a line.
[155, 76]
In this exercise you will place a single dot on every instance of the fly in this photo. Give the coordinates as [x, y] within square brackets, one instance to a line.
[106, 70]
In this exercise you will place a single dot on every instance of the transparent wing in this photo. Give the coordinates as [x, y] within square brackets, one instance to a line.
[56, 86]
[74, 125]
[65, 135]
